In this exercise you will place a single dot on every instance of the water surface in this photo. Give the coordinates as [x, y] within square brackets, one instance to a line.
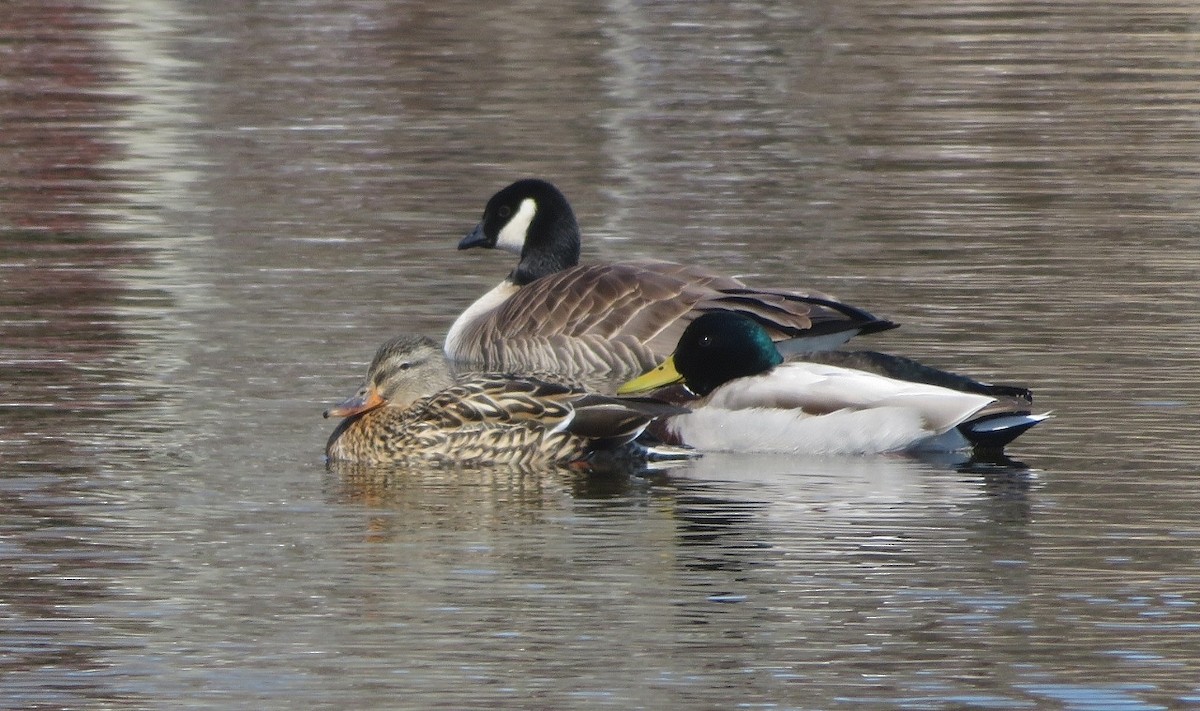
[212, 215]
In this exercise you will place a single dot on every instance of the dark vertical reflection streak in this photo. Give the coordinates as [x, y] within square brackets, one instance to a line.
[69, 369]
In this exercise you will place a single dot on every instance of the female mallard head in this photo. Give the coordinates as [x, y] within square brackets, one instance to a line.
[404, 369]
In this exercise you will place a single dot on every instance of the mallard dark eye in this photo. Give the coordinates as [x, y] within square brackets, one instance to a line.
[405, 366]
[705, 341]
[504, 211]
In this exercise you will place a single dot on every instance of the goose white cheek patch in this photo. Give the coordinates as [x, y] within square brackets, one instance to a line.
[512, 236]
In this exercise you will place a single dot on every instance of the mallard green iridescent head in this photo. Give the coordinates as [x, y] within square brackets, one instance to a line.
[716, 348]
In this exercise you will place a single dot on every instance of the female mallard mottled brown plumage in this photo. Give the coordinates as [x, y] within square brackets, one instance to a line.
[552, 313]
[411, 408]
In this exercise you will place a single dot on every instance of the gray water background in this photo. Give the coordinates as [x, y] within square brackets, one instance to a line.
[211, 214]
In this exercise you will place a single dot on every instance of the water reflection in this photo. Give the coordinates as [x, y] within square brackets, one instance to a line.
[724, 541]
[461, 499]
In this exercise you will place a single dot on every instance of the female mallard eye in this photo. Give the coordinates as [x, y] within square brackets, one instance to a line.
[405, 365]
[504, 211]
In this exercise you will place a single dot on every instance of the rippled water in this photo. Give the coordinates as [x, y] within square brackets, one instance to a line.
[211, 213]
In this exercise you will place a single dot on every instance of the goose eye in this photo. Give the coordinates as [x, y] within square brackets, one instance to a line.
[504, 211]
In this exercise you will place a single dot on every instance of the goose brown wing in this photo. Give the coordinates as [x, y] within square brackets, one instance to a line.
[785, 313]
[644, 301]
[623, 315]
[634, 299]
[793, 314]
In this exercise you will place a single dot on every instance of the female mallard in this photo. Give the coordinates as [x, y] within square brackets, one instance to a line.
[743, 396]
[411, 408]
[551, 313]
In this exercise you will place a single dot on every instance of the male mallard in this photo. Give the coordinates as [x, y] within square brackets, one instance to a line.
[551, 313]
[411, 408]
[743, 396]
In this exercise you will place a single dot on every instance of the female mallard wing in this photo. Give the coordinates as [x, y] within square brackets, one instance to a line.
[504, 399]
[499, 399]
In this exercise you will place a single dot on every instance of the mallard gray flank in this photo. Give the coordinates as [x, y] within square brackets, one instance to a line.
[552, 313]
[411, 408]
[743, 396]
